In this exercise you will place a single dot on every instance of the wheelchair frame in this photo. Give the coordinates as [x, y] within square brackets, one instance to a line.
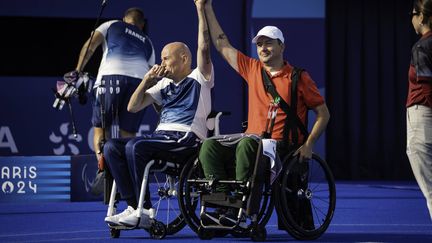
[157, 230]
[290, 200]
[318, 190]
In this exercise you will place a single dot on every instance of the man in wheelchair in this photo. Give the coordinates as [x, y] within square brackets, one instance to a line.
[267, 78]
[183, 95]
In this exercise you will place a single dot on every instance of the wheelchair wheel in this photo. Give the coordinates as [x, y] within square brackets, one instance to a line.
[164, 195]
[305, 197]
[264, 214]
[189, 200]
[189, 194]
[158, 230]
[115, 233]
[164, 199]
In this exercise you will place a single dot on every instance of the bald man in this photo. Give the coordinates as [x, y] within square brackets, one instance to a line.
[183, 95]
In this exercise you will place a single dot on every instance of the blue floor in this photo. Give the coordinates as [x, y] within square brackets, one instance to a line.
[365, 212]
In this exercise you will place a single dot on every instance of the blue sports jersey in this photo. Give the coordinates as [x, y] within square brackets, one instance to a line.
[126, 50]
[185, 105]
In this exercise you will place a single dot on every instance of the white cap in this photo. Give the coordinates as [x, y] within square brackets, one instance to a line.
[271, 32]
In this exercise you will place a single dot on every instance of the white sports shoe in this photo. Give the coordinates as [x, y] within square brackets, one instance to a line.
[114, 220]
[132, 220]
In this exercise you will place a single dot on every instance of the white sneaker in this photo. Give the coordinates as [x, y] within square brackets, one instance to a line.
[114, 220]
[132, 220]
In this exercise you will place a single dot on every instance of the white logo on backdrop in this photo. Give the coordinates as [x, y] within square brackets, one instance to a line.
[7, 140]
[65, 140]
[87, 182]
[7, 187]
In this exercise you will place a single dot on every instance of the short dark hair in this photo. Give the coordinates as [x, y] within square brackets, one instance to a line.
[136, 14]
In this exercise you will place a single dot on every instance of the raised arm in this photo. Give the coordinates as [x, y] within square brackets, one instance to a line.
[203, 54]
[219, 39]
[85, 57]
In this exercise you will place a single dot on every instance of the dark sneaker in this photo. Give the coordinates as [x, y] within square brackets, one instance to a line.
[230, 218]
[212, 218]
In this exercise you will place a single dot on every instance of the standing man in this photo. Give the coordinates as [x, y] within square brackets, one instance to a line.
[217, 159]
[127, 55]
[185, 100]
[419, 100]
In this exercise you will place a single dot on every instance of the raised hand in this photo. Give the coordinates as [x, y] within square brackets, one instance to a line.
[200, 3]
[156, 73]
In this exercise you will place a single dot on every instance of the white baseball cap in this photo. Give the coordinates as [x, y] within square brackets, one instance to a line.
[271, 32]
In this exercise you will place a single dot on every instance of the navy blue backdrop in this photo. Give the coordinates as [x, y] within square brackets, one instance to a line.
[359, 50]
[44, 38]
[42, 41]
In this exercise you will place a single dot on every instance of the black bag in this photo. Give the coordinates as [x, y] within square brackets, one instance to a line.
[301, 211]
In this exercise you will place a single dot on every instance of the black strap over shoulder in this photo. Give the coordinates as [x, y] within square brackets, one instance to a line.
[292, 121]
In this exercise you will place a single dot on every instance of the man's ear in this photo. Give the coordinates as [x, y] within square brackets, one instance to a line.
[184, 58]
[421, 18]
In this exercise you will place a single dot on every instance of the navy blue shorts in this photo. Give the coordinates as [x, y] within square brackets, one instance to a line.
[118, 90]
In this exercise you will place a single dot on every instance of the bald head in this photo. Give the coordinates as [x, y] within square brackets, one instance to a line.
[181, 49]
[177, 59]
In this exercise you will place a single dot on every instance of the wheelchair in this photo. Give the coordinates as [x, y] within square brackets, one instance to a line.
[303, 194]
[162, 176]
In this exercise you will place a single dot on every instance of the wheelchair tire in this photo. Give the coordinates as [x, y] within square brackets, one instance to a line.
[158, 230]
[205, 234]
[189, 196]
[189, 199]
[115, 233]
[258, 233]
[305, 197]
[170, 216]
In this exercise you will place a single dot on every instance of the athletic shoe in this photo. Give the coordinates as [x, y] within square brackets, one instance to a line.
[230, 218]
[212, 218]
[133, 219]
[115, 219]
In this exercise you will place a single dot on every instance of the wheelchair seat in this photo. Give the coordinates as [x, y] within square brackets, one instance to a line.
[161, 177]
[304, 195]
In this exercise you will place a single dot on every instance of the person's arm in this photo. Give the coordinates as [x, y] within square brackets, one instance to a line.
[322, 118]
[140, 98]
[95, 42]
[219, 39]
[203, 54]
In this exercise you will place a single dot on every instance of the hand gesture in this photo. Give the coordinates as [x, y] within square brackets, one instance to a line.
[156, 73]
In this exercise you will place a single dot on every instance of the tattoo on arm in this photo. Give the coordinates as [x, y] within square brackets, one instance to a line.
[207, 43]
[206, 37]
[222, 36]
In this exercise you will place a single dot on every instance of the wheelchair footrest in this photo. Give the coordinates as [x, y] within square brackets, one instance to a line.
[221, 199]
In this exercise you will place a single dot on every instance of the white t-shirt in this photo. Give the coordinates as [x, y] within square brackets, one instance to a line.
[185, 105]
[126, 51]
